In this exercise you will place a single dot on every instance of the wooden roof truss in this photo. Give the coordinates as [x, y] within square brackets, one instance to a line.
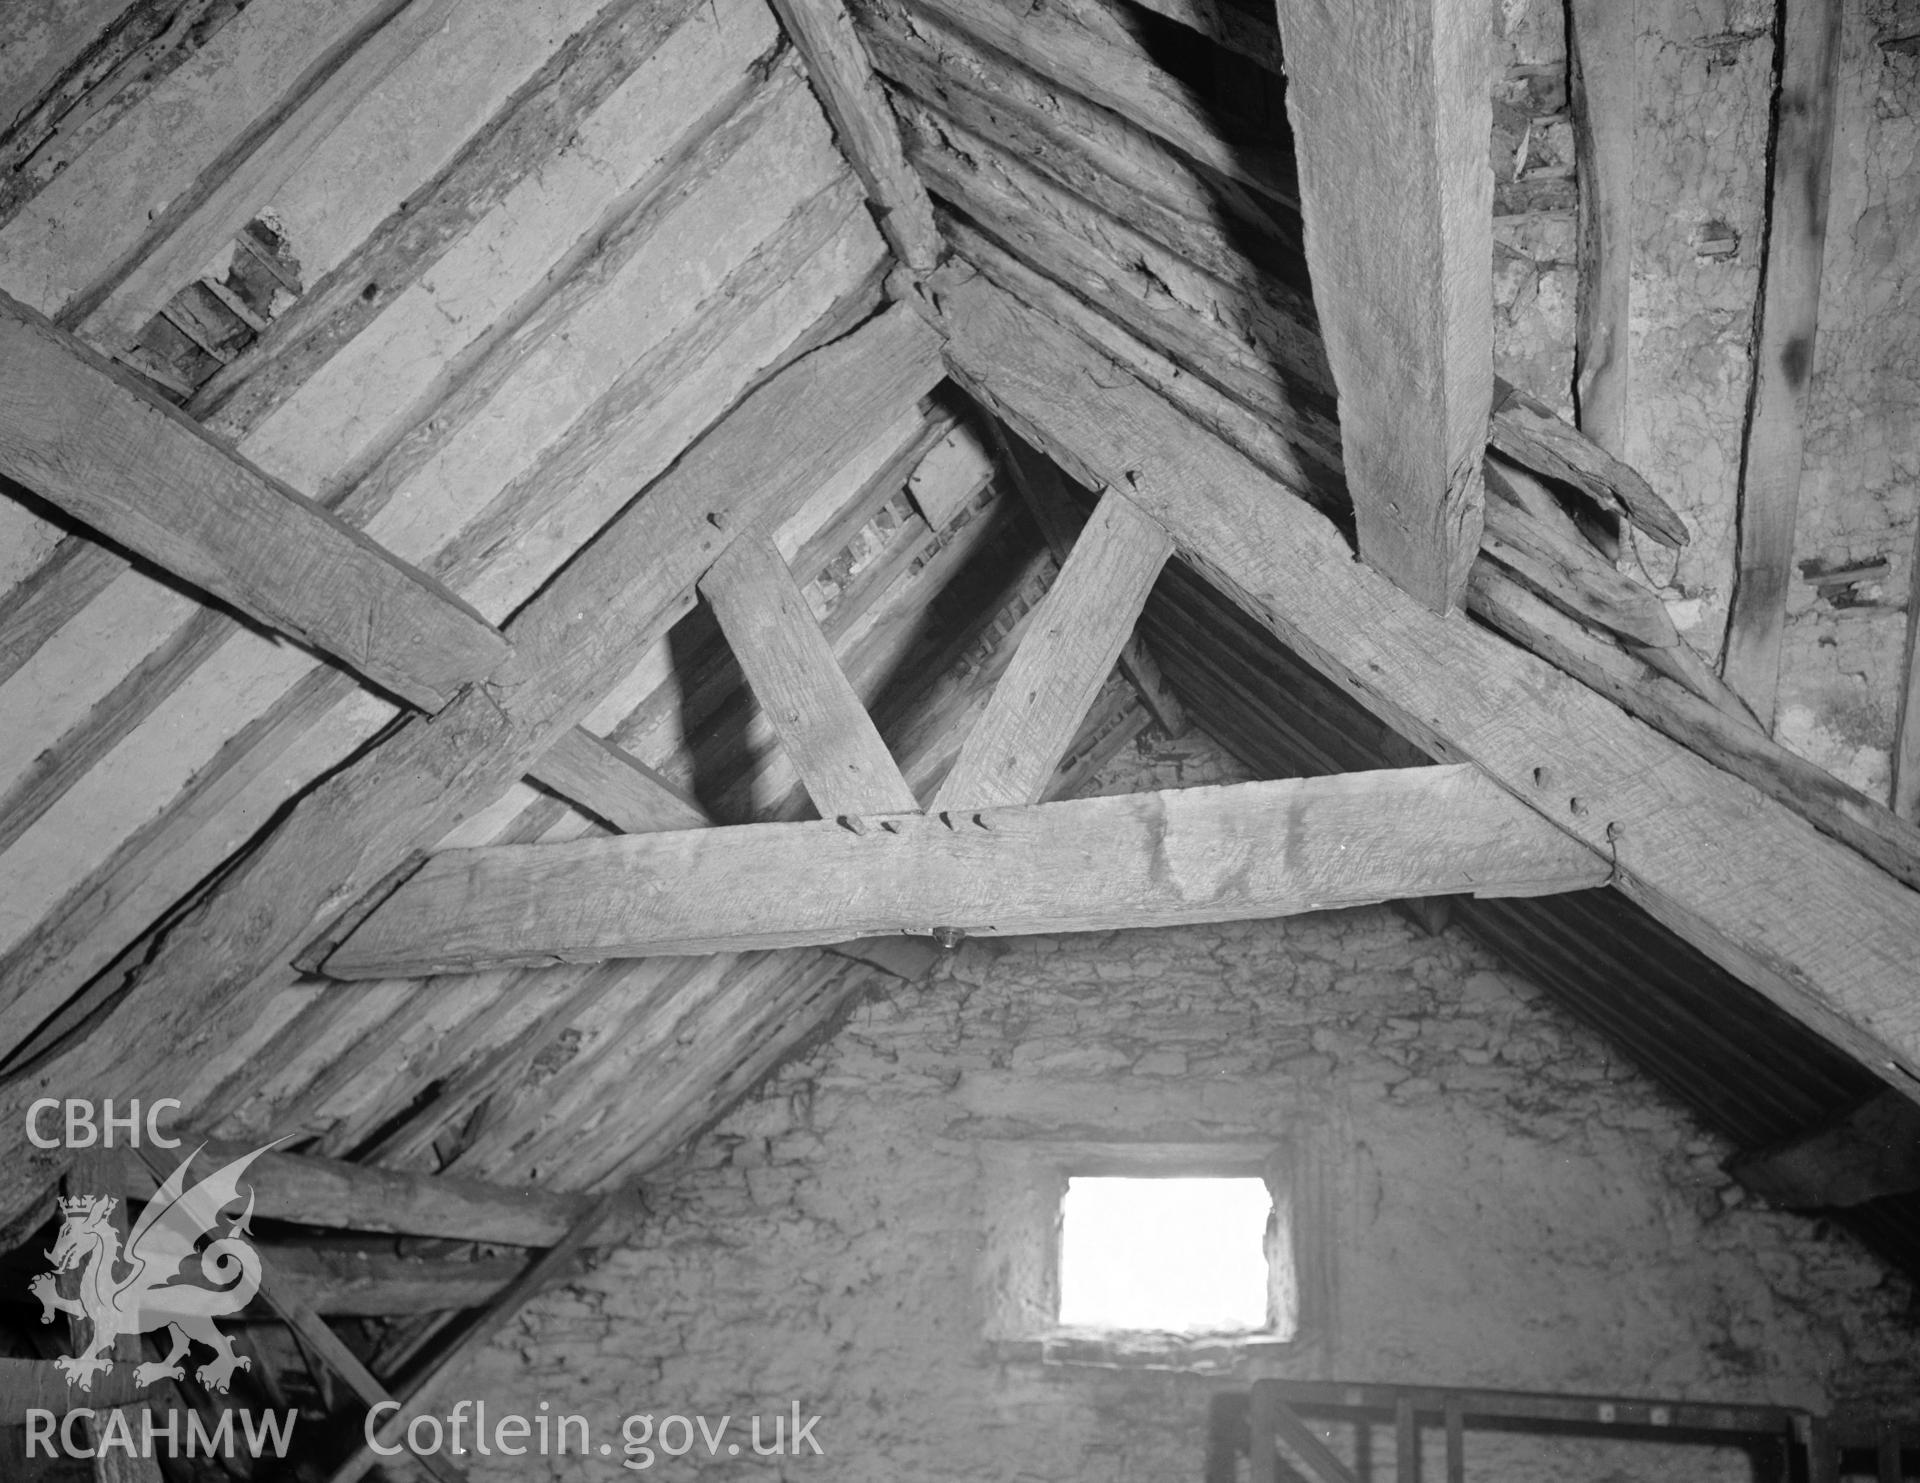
[1050, 209]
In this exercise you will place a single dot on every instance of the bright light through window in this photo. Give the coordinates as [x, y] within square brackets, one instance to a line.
[1178, 1255]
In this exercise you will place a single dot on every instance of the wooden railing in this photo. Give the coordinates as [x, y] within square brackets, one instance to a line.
[1283, 1444]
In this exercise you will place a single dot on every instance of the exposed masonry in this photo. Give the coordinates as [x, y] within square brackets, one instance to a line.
[1513, 1206]
[1843, 648]
[1699, 214]
[1535, 201]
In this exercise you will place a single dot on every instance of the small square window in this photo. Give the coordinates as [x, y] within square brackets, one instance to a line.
[1167, 1254]
[1089, 1244]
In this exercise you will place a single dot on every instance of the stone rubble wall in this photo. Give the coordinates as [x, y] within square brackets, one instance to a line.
[1509, 1204]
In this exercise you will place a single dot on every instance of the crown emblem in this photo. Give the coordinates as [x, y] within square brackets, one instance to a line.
[147, 1299]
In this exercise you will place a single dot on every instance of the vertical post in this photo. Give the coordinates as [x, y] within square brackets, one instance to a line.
[1406, 1440]
[1906, 735]
[1823, 1453]
[1600, 38]
[1391, 114]
[1783, 357]
[1456, 1443]
[1263, 1456]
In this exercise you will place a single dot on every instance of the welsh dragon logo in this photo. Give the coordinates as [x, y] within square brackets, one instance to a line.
[138, 1290]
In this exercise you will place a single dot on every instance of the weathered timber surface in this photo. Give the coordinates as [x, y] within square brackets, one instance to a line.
[1321, 1460]
[1682, 664]
[802, 690]
[1146, 859]
[1906, 738]
[1085, 205]
[545, 360]
[1568, 570]
[376, 1089]
[508, 160]
[584, 633]
[744, 1017]
[1052, 508]
[1605, 107]
[682, 373]
[1212, 408]
[1103, 158]
[337, 1195]
[1563, 568]
[837, 62]
[1066, 655]
[38, 787]
[1783, 357]
[1246, 344]
[1826, 935]
[56, 102]
[139, 46]
[33, 1384]
[94, 441]
[1390, 120]
[194, 227]
[380, 1284]
[1562, 562]
[623, 790]
[1729, 740]
[292, 1310]
[1227, 25]
[1532, 434]
[678, 1051]
[88, 222]
[554, 1265]
[696, 371]
[76, 573]
[952, 473]
[1871, 1152]
[1108, 66]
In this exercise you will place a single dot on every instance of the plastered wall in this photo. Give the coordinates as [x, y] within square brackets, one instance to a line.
[1507, 1204]
[1844, 643]
[1702, 105]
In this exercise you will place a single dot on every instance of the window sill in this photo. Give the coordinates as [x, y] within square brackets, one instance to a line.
[1213, 1354]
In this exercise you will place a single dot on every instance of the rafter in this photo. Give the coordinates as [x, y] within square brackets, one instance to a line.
[823, 33]
[103, 447]
[98, 443]
[292, 1309]
[1802, 160]
[1252, 850]
[805, 696]
[1806, 921]
[1045, 492]
[380, 1284]
[554, 1265]
[1066, 655]
[193, 229]
[337, 1194]
[1083, 48]
[606, 780]
[1390, 116]
[584, 633]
